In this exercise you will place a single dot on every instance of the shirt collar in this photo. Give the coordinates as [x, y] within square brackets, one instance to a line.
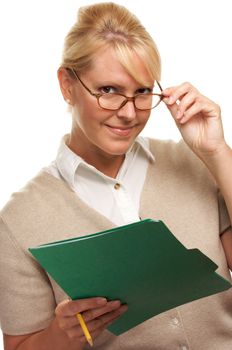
[68, 162]
[144, 143]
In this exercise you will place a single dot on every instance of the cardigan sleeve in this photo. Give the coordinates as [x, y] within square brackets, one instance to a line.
[26, 298]
[224, 219]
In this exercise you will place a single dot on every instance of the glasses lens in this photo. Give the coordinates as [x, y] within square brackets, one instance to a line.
[142, 102]
[148, 101]
[111, 101]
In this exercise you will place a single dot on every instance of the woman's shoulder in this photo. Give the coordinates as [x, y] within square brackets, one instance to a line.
[175, 157]
[174, 151]
[31, 212]
[168, 146]
[38, 191]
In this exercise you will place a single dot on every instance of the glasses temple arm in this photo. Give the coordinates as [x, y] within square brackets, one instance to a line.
[159, 85]
[77, 77]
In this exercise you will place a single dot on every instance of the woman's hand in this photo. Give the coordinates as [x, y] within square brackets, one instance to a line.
[98, 314]
[197, 117]
[64, 332]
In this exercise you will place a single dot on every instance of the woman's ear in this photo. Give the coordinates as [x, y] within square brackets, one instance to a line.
[66, 84]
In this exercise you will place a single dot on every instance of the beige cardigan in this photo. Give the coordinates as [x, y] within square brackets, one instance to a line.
[178, 190]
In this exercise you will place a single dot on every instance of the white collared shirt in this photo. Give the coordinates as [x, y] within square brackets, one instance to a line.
[117, 198]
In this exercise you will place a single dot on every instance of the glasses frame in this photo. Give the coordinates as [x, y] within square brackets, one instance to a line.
[127, 98]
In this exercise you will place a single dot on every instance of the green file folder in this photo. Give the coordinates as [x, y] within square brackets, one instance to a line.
[141, 264]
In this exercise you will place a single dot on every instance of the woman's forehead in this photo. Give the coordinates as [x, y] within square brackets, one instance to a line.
[107, 62]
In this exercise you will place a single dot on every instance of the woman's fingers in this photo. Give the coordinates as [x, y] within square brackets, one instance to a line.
[197, 117]
[176, 93]
[70, 307]
[95, 313]
[107, 318]
[96, 325]
[98, 313]
[179, 98]
[185, 101]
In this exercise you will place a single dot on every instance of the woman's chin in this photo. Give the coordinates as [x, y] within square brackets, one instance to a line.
[117, 148]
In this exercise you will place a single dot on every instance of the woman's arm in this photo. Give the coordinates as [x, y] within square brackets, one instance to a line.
[199, 121]
[64, 331]
[226, 239]
[220, 165]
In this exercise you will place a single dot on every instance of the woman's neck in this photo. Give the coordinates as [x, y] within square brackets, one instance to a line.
[106, 163]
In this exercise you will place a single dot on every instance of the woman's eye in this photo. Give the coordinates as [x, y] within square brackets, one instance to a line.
[107, 89]
[144, 91]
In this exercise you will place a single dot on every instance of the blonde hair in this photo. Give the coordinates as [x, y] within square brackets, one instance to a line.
[105, 25]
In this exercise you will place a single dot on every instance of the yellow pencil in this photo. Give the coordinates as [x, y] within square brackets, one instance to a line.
[85, 329]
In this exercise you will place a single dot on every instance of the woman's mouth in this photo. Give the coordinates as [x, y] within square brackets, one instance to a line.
[120, 130]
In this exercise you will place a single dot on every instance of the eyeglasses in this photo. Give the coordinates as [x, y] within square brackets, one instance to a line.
[115, 101]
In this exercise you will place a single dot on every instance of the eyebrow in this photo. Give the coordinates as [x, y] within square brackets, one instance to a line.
[121, 87]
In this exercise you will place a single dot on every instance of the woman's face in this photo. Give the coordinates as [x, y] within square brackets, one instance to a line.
[95, 130]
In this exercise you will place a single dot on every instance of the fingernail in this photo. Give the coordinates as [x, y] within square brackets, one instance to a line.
[182, 121]
[101, 301]
[123, 308]
[171, 100]
[165, 100]
[179, 115]
[116, 303]
[164, 92]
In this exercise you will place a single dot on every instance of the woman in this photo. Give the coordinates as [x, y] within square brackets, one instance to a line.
[106, 175]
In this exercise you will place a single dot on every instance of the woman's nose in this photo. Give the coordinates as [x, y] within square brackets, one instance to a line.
[127, 111]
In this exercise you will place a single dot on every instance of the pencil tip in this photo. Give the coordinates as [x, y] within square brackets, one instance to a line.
[90, 341]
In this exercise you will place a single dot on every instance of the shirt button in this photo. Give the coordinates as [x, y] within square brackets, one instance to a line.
[117, 186]
[175, 321]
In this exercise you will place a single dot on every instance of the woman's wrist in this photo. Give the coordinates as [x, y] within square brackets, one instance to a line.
[218, 161]
[60, 340]
[50, 338]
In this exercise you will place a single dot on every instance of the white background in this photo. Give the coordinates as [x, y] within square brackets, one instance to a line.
[195, 45]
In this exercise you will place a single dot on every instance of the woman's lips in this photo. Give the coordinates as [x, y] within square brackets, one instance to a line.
[120, 131]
